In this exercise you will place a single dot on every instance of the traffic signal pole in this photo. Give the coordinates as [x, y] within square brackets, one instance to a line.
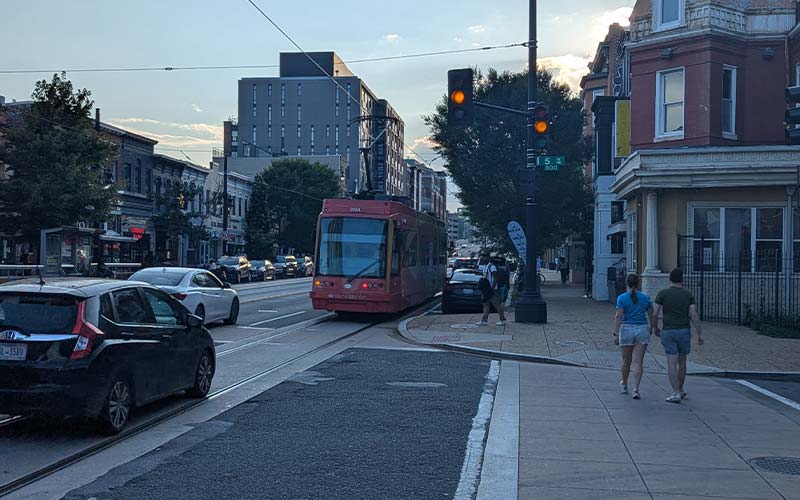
[531, 307]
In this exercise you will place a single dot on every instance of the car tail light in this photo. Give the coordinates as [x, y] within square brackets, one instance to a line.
[179, 295]
[449, 288]
[87, 335]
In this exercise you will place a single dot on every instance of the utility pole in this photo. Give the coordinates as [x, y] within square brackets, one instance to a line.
[531, 307]
[224, 203]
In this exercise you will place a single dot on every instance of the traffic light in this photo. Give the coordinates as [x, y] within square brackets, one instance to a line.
[459, 97]
[181, 201]
[541, 127]
[793, 116]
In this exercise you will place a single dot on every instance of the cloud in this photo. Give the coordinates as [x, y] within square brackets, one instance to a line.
[568, 68]
[197, 108]
[458, 39]
[477, 28]
[174, 134]
[620, 16]
[391, 38]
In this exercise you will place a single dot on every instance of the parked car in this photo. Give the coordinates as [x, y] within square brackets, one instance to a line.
[285, 266]
[461, 292]
[465, 263]
[97, 348]
[199, 291]
[237, 268]
[262, 270]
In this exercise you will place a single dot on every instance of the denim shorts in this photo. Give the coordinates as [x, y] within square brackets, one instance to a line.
[676, 341]
[630, 334]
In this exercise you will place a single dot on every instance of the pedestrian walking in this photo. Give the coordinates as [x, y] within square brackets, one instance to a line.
[563, 268]
[680, 314]
[538, 263]
[309, 265]
[634, 321]
[490, 292]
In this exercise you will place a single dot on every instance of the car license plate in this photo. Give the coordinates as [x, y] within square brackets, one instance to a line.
[467, 291]
[13, 352]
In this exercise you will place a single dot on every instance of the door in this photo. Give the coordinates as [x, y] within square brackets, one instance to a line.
[209, 295]
[140, 350]
[178, 348]
[223, 296]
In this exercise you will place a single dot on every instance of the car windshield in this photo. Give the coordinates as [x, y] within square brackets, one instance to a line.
[38, 313]
[466, 276]
[159, 278]
[352, 247]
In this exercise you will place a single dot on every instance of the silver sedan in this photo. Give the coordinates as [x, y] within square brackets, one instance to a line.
[201, 292]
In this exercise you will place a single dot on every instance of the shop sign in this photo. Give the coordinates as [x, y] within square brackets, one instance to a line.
[137, 232]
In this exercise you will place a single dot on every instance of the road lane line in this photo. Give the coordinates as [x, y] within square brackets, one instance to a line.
[266, 329]
[476, 443]
[279, 317]
[777, 397]
[267, 310]
[267, 297]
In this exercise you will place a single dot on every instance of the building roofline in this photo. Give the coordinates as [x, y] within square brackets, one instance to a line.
[126, 133]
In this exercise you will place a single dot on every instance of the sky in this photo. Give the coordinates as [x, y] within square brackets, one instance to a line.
[184, 110]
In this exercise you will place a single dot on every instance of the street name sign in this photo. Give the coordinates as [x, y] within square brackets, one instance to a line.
[551, 163]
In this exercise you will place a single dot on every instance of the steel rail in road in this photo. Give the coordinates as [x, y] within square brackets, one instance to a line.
[110, 441]
[39, 474]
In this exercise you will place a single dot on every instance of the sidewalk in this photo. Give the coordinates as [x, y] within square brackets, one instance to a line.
[579, 332]
[564, 433]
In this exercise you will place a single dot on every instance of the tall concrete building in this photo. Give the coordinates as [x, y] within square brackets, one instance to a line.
[303, 113]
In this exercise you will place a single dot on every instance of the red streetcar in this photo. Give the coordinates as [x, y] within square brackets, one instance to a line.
[376, 256]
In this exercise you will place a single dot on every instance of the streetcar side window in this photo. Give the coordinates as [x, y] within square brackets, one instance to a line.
[412, 241]
[396, 251]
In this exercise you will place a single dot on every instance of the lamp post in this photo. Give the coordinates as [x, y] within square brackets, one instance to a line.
[531, 308]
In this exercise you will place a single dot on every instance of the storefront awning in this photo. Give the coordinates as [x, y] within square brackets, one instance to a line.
[115, 237]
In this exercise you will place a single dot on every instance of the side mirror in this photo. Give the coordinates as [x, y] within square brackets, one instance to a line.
[226, 285]
[193, 321]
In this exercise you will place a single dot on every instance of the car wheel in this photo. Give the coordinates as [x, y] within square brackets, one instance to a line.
[200, 312]
[234, 315]
[117, 408]
[446, 309]
[202, 376]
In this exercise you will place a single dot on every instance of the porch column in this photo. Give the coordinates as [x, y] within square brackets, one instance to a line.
[651, 236]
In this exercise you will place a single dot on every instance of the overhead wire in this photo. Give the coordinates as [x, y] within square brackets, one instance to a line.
[256, 66]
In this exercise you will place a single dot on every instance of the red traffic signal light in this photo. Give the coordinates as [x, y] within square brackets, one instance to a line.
[459, 96]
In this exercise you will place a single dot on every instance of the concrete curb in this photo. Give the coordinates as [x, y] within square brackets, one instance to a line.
[402, 329]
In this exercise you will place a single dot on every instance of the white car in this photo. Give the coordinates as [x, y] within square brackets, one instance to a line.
[201, 292]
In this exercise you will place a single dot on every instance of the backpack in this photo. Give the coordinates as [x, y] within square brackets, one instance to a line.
[501, 276]
[485, 288]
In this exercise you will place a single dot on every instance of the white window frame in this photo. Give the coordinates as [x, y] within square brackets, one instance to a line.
[660, 133]
[658, 25]
[728, 134]
[754, 239]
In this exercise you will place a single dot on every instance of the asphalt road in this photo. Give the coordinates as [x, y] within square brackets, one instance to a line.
[789, 390]
[365, 424]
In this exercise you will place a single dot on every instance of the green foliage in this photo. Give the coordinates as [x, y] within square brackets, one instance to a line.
[56, 164]
[286, 200]
[484, 160]
[175, 214]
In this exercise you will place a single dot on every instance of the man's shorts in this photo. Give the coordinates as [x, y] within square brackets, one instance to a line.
[630, 334]
[676, 341]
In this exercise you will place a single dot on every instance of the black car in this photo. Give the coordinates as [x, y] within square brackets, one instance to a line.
[461, 292]
[97, 348]
[262, 270]
[237, 269]
[285, 266]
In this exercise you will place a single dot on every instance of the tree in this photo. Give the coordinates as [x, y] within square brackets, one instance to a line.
[485, 158]
[286, 201]
[55, 164]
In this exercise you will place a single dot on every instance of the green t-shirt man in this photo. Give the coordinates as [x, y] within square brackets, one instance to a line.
[676, 302]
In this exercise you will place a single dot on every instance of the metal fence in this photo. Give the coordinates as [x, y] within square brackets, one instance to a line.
[748, 286]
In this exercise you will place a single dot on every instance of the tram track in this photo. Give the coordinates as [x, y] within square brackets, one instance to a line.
[135, 430]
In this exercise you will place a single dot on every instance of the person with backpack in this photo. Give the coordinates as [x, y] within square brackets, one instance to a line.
[489, 287]
[635, 319]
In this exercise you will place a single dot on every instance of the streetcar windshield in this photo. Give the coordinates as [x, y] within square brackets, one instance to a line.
[352, 247]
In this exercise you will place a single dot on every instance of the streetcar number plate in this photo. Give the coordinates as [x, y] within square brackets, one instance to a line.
[467, 291]
[13, 352]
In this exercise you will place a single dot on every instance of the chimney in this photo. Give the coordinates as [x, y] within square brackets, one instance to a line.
[97, 119]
